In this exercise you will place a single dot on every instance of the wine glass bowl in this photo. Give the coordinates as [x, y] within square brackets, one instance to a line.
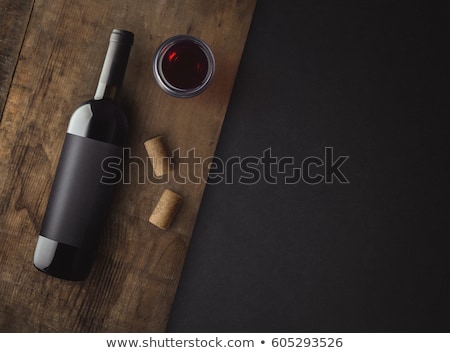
[183, 66]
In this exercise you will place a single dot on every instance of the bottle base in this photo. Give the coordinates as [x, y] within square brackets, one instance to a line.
[61, 260]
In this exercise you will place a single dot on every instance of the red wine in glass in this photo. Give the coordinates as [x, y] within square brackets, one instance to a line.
[183, 66]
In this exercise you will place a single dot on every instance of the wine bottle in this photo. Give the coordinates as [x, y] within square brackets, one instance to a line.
[80, 195]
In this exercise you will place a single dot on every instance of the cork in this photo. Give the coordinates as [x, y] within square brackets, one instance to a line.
[166, 209]
[159, 157]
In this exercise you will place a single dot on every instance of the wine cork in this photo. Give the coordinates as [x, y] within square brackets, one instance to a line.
[159, 157]
[166, 209]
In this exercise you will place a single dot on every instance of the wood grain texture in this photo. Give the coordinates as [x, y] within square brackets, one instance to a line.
[14, 15]
[133, 282]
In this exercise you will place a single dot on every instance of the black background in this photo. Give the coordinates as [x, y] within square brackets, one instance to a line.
[369, 79]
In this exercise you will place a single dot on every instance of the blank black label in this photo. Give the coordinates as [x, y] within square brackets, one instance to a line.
[79, 200]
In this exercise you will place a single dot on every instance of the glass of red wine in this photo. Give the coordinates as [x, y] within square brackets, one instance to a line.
[183, 66]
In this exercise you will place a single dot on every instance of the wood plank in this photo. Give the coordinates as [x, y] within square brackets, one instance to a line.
[133, 283]
[14, 17]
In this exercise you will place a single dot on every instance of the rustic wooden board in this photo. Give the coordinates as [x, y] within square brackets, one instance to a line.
[14, 15]
[133, 283]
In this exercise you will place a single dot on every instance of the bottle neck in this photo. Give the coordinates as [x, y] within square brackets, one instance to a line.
[107, 91]
[115, 65]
